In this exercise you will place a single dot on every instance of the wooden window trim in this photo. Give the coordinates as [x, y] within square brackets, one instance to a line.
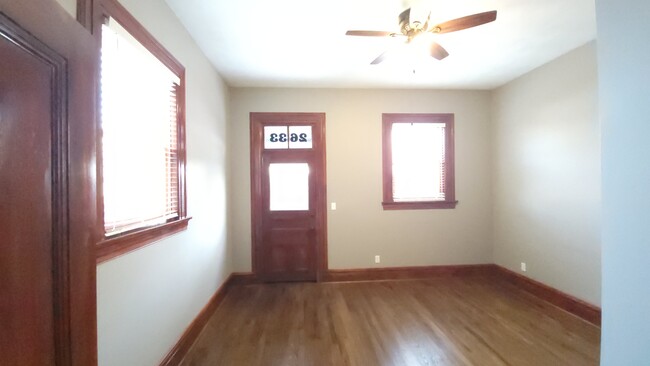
[387, 173]
[116, 11]
[85, 14]
[113, 246]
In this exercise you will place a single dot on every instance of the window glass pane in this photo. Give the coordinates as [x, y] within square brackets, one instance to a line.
[276, 137]
[289, 187]
[418, 157]
[138, 122]
[300, 137]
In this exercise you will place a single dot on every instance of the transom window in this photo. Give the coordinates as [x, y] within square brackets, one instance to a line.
[418, 164]
[287, 137]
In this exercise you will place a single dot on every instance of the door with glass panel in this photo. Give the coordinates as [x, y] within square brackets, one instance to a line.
[288, 196]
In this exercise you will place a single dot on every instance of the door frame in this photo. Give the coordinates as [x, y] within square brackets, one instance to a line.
[35, 23]
[257, 122]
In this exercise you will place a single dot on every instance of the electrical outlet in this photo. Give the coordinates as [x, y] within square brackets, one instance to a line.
[377, 259]
[333, 206]
[523, 266]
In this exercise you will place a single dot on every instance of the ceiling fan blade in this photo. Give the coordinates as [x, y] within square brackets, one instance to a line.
[379, 58]
[426, 24]
[465, 22]
[368, 33]
[405, 18]
[437, 51]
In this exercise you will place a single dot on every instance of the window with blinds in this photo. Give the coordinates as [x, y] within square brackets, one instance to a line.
[418, 161]
[418, 157]
[141, 165]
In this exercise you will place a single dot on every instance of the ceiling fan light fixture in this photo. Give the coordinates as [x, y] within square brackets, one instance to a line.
[416, 30]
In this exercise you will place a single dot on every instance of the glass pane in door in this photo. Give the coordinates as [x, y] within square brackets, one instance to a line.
[300, 137]
[275, 137]
[289, 186]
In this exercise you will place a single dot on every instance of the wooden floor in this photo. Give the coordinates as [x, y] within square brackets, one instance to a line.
[440, 321]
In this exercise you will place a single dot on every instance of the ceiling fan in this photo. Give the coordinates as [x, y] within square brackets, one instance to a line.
[411, 30]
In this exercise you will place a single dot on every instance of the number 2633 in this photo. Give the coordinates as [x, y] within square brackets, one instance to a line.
[282, 137]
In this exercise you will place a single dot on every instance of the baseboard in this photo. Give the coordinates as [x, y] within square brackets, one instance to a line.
[244, 278]
[402, 273]
[379, 274]
[180, 349]
[575, 306]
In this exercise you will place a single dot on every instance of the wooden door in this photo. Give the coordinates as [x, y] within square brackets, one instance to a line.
[288, 196]
[48, 225]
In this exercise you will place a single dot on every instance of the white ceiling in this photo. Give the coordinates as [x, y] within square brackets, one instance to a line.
[302, 43]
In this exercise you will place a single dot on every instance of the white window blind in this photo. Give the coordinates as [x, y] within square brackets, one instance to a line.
[418, 161]
[139, 122]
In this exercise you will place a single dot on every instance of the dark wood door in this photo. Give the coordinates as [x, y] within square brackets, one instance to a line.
[48, 220]
[288, 196]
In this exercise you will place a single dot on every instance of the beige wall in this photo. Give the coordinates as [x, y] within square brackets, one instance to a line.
[547, 174]
[147, 298]
[359, 228]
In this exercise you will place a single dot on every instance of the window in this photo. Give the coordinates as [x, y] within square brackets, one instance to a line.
[142, 135]
[287, 137]
[289, 187]
[418, 161]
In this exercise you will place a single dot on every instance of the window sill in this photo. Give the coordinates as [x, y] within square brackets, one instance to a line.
[110, 248]
[423, 205]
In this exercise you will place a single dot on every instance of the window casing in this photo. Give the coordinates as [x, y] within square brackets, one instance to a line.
[142, 137]
[418, 161]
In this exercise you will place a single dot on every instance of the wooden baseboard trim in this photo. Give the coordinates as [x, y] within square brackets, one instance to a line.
[575, 306]
[403, 273]
[244, 278]
[180, 349]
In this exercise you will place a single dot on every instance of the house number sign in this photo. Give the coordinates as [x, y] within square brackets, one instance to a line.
[287, 137]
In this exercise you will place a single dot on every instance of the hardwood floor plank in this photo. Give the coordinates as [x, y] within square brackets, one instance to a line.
[448, 320]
